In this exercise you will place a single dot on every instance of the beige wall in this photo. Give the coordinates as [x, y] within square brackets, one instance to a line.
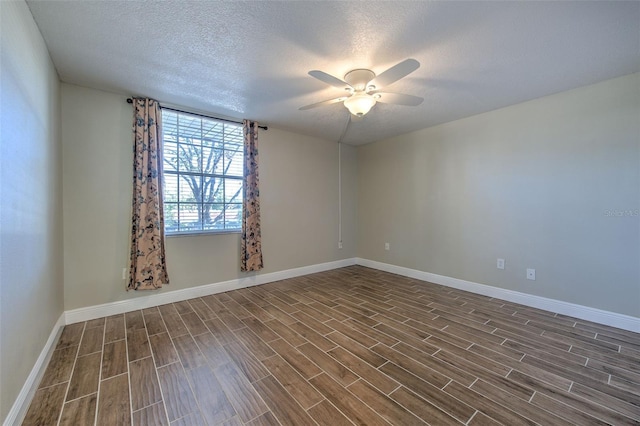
[299, 193]
[531, 183]
[31, 290]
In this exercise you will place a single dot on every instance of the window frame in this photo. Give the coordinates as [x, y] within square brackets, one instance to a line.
[226, 140]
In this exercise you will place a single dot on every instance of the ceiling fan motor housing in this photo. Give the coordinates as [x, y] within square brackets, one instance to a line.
[359, 78]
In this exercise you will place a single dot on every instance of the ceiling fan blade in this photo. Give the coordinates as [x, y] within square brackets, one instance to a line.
[395, 73]
[329, 79]
[323, 103]
[398, 98]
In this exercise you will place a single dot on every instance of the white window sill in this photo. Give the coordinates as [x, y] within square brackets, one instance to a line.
[200, 233]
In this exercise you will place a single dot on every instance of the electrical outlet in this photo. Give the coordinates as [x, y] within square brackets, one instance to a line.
[387, 246]
[339, 244]
[531, 274]
[124, 273]
[500, 264]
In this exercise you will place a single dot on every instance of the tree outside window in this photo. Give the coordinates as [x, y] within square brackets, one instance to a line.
[203, 165]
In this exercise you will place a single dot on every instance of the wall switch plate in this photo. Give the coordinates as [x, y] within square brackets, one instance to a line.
[500, 264]
[339, 244]
[387, 246]
[124, 273]
[531, 274]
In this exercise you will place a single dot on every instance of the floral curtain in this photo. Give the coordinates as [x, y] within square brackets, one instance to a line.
[251, 235]
[148, 269]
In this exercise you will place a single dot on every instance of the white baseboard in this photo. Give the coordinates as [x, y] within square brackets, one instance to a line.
[625, 322]
[600, 316]
[119, 307]
[21, 404]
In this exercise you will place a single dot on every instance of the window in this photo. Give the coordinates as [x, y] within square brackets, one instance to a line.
[203, 164]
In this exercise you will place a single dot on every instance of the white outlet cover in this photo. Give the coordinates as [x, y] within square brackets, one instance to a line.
[387, 246]
[531, 274]
[500, 264]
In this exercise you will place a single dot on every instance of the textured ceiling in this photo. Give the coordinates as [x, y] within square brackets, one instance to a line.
[250, 59]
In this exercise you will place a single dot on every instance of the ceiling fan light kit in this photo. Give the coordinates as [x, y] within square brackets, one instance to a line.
[362, 84]
[360, 103]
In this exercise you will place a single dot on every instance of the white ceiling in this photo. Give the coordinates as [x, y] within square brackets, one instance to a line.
[250, 59]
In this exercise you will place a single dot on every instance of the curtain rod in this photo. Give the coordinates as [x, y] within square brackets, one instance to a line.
[130, 101]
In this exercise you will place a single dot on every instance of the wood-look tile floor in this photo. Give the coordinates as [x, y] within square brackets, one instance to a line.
[348, 346]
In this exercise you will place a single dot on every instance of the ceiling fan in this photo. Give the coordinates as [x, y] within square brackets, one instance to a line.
[363, 87]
